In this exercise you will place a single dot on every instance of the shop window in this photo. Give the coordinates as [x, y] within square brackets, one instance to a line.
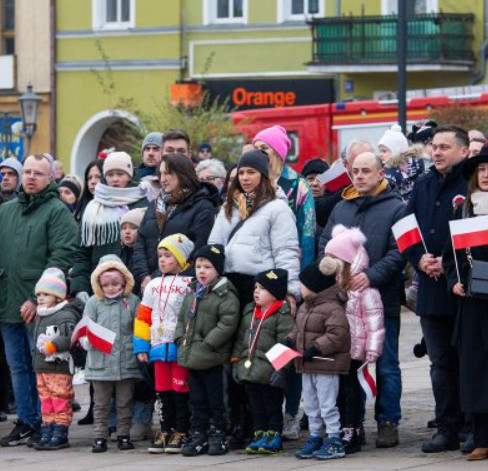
[225, 11]
[113, 14]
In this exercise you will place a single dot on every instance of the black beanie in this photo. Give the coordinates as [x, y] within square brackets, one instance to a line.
[214, 253]
[256, 159]
[316, 166]
[275, 281]
[72, 186]
[315, 280]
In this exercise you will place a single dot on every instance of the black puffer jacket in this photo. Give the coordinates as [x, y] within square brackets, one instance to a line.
[194, 217]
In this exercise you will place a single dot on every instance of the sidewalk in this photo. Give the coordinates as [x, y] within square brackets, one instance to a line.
[417, 405]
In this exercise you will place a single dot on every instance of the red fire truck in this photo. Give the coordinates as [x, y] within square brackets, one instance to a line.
[324, 130]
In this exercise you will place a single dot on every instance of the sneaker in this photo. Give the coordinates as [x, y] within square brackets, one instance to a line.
[217, 444]
[441, 442]
[99, 445]
[272, 444]
[311, 445]
[59, 438]
[258, 441]
[291, 428]
[19, 435]
[387, 435]
[197, 445]
[46, 435]
[331, 449]
[124, 443]
[175, 443]
[351, 441]
[159, 443]
[35, 438]
[468, 445]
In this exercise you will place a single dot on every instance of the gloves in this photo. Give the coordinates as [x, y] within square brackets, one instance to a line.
[371, 357]
[234, 375]
[83, 296]
[277, 380]
[287, 342]
[310, 352]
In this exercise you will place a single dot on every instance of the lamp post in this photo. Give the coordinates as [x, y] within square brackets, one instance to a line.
[29, 107]
[6, 135]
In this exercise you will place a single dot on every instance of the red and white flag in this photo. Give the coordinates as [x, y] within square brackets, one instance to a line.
[280, 355]
[469, 232]
[407, 232]
[458, 200]
[100, 337]
[367, 381]
[335, 178]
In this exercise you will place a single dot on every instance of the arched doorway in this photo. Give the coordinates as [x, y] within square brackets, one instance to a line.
[87, 141]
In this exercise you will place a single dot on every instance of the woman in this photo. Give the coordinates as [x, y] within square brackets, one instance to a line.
[471, 329]
[275, 142]
[257, 229]
[100, 231]
[93, 176]
[185, 205]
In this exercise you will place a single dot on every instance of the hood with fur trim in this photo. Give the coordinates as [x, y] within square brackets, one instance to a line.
[415, 151]
[110, 262]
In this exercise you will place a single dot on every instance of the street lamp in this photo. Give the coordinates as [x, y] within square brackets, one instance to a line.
[29, 107]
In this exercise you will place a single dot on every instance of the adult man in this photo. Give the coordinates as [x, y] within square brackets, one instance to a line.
[204, 151]
[40, 233]
[476, 141]
[176, 140]
[372, 206]
[432, 202]
[151, 151]
[354, 148]
[11, 170]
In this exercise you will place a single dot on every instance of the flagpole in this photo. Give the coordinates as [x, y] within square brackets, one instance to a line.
[455, 259]
[423, 243]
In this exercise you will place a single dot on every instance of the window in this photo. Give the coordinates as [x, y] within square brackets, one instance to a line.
[225, 11]
[113, 14]
[7, 27]
[290, 10]
[416, 7]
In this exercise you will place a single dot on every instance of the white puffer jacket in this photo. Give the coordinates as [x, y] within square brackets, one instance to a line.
[364, 311]
[267, 239]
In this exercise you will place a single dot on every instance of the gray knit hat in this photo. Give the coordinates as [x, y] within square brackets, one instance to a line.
[16, 166]
[152, 139]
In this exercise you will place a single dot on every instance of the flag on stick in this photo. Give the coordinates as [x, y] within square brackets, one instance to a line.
[279, 355]
[100, 337]
[335, 178]
[407, 232]
[470, 232]
[367, 381]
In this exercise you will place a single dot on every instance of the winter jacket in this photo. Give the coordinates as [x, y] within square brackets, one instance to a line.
[322, 323]
[204, 335]
[364, 311]
[157, 317]
[117, 315]
[38, 232]
[87, 258]
[374, 216]
[273, 330]
[432, 202]
[301, 202]
[267, 239]
[193, 218]
[126, 254]
[64, 320]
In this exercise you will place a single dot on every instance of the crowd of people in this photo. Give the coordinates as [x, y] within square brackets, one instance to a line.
[169, 282]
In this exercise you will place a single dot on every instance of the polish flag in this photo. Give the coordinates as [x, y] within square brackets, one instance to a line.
[367, 381]
[280, 355]
[100, 337]
[469, 232]
[458, 200]
[407, 232]
[335, 178]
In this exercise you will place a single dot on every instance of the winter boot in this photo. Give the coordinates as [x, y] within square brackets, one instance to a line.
[99, 445]
[59, 439]
[217, 444]
[46, 435]
[273, 444]
[124, 443]
[331, 449]
[176, 442]
[351, 440]
[197, 445]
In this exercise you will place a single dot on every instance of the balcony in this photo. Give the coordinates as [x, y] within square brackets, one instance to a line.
[436, 42]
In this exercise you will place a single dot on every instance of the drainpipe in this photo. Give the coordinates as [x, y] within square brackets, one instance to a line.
[480, 75]
[52, 80]
[183, 57]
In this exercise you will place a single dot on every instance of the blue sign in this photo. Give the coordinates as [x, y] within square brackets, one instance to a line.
[11, 126]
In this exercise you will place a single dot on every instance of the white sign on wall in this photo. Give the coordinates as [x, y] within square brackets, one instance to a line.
[7, 72]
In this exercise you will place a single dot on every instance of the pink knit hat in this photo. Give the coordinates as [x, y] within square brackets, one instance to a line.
[345, 243]
[275, 137]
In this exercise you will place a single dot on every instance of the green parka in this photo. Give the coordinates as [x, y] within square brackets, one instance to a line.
[37, 232]
[205, 340]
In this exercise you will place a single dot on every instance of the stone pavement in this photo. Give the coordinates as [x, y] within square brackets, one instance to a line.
[417, 405]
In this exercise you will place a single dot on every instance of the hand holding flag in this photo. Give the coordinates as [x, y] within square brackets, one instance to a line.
[100, 337]
[280, 355]
[335, 178]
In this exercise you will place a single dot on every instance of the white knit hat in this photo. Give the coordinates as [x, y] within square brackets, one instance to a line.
[134, 216]
[395, 140]
[118, 161]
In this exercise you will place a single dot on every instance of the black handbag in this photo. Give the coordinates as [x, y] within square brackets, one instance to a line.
[477, 278]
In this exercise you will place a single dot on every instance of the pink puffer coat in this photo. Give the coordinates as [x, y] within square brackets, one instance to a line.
[364, 311]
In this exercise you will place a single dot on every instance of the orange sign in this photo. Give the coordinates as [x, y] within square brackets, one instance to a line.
[243, 97]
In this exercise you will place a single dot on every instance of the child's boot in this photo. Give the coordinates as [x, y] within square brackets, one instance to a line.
[59, 438]
[159, 443]
[217, 444]
[176, 442]
[197, 445]
[46, 435]
[351, 440]
[258, 441]
[273, 444]
[99, 445]
[124, 443]
[313, 444]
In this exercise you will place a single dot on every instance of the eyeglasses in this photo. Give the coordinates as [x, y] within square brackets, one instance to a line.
[34, 174]
[209, 179]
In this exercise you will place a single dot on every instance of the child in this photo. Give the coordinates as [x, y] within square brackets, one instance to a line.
[114, 307]
[53, 364]
[154, 331]
[321, 330]
[265, 323]
[129, 224]
[364, 311]
[206, 324]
